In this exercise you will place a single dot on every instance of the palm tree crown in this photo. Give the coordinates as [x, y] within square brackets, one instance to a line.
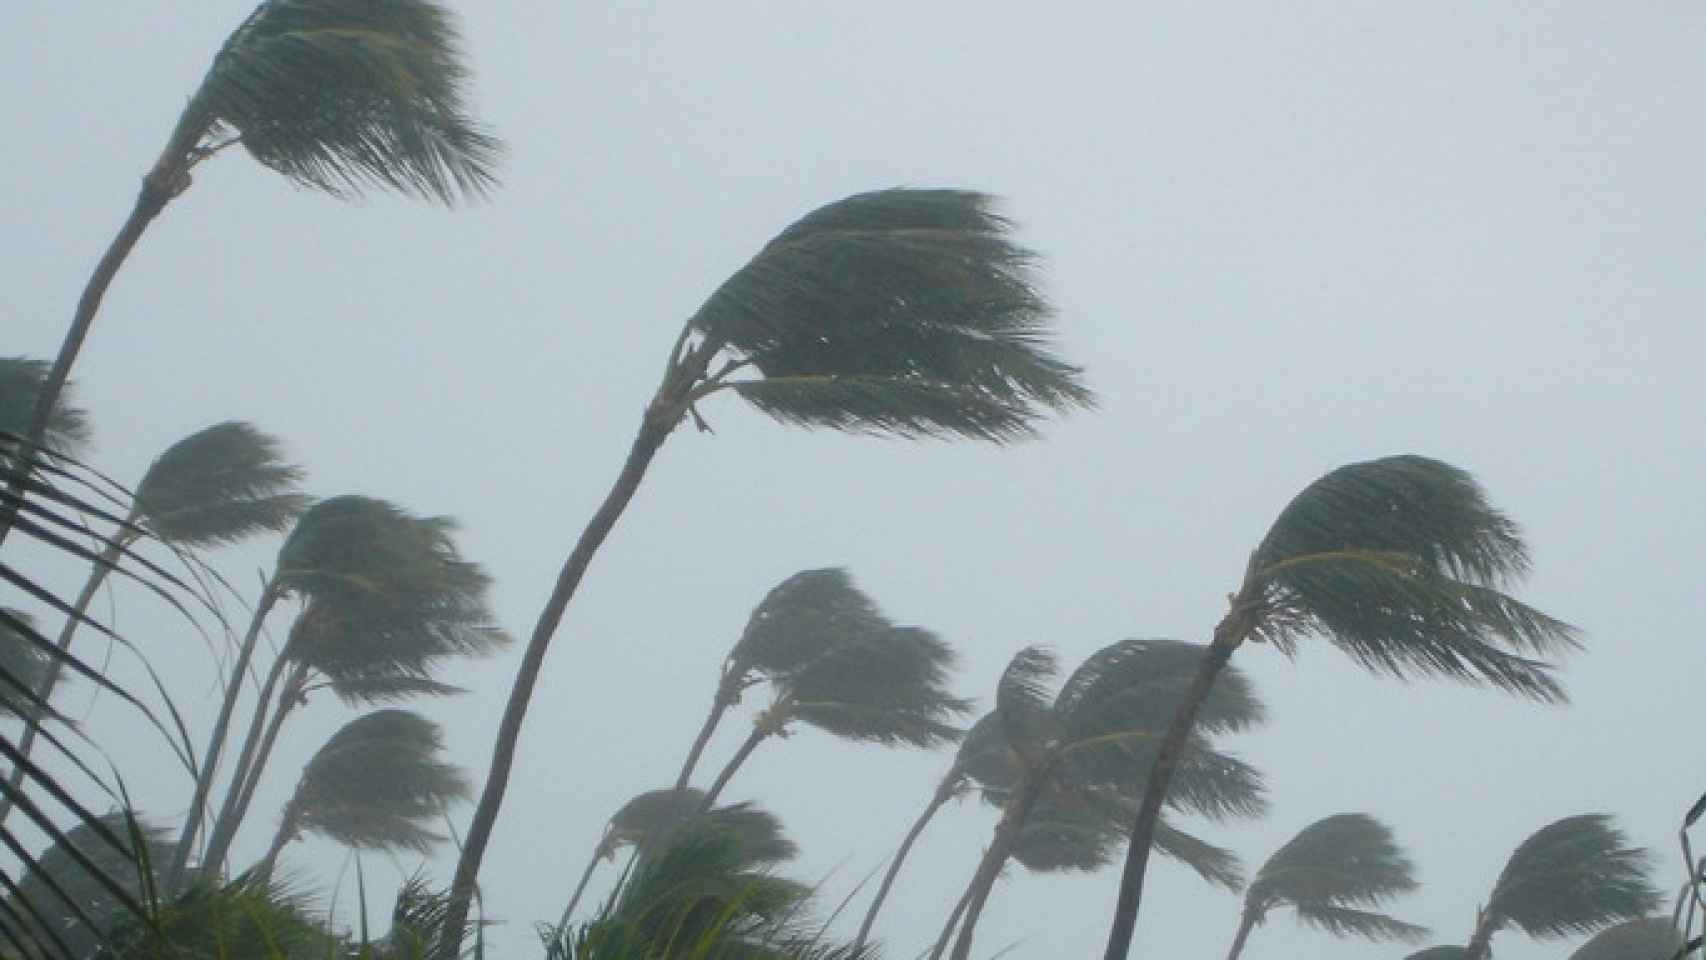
[220, 485]
[21, 382]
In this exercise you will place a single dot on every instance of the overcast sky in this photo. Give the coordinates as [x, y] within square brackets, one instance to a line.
[1281, 237]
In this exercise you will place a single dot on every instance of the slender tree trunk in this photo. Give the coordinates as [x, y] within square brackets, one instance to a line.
[954, 916]
[216, 740]
[719, 705]
[580, 888]
[759, 734]
[944, 792]
[33, 716]
[1000, 848]
[288, 702]
[665, 410]
[1246, 923]
[1226, 640]
[1480, 945]
[248, 768]
[286, 831]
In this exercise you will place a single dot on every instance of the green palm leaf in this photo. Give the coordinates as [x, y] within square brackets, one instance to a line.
[1648, 938]
[1572, 877]
[888, 689]
[339, 95]
[219, 485]
[1345, 860]
[21, 381]
[1024, 706]
[897, 311]
[63, 893]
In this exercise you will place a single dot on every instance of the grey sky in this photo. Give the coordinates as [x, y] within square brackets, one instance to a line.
[1281, 237]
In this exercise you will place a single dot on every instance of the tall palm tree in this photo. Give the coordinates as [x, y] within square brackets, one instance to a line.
[800, 618]
[335, 95]
[1332, 875]
[1399, 562]
[1573, 876]
[903, 312]
[350, 553]
[219, 485]
[372, 786]
[1646, 938]
[648, 819]
[1076, 757]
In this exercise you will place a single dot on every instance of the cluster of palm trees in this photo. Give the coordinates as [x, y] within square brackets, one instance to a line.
[910, 313]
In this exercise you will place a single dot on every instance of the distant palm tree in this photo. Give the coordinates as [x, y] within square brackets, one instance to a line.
[21, 383]
[372, 786]
[801, 617]
[335, 95]
[903, 312]
[1074, 757]
[67, 896]
[1647, 938]
[648, 819]
[398, 576]
[1400, 563]
[217, 486]
[1331, 875]
[1573, 876]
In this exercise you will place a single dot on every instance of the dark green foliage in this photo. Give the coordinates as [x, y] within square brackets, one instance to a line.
[339, 95]
[57, 867]
[23, 664]
[756, 833]
[1649, 938]
[375, 783]
[1399, 562]
[800, 618]
[219, 485]
[247, 919]
[1333, 874]
[1572, 877]
[21, 380]
[897, 311]
[888, 688]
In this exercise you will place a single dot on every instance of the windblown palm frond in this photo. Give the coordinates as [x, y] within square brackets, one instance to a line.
[23, 664]
[1399, 562]
[803, 616]
[338, 95]
[1573, 876]
[897, 311]
[1333, 874]
[374, 784]
[248, 917]
[219, 485]
[756, 833]
[1024, 712]
[21, 380]
[63, 890]
[1649, 938]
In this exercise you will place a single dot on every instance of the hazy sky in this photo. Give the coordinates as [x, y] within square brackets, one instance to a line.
[1281, 237]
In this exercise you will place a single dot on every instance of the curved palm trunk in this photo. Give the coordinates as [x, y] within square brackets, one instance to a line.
[1480, 945]
[954, 916]
[248, 768]
[216, 740]
[944, 792]
[719, 706]
[168, 178]
[1246, 923]
[666, 409]
[1000, 848]
[286, 831]
[32, 720]
[1219, 652]
[759, 735]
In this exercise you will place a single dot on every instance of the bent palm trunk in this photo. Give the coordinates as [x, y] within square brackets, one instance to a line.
[758, 736]
[944, 792]
[718, 706]
[1246, 923]
[255, 747]
[1000, 848]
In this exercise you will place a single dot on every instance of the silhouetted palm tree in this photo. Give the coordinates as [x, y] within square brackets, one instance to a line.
[903, 312]
[1573, 876]
[217, 486]
[1648, 938]
[1331, 875]
[1076, 758]
[337, 96]
[372, 786]
[1399, 562]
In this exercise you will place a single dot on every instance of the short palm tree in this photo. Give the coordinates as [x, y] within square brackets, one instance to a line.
[902, 312]
[217, 486]
[335, 95]
[1646, 938]
[1076, 757]
[1332, 875]
[373, 786]
[647, 820]
[1401, 563]
[362, 556]
[1573, 876]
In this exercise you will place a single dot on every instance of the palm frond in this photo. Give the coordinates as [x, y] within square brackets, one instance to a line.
[1648, 938]
[756, 833]
[1351, 922]
[1138, 684]
[220, 485]
[803, 616]
[339, 95]
[1572, 877]
[1332, 866]
[62, 891]
[1400, 562]
[887, 687]
[908, 312]
[1024, 703]
[23, 664]
[376, 782]
[1216, 865]
[247, 917]
[21, 381]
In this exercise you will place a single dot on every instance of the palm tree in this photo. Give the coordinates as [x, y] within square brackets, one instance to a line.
[1399, 562]
[217, 486]
[21, 384]
[1331, 875]
[1646, 938]
[1573, 876]
[369, 559]
[23, 666]
[336, 96]
[800, 618]
[65, 894]
[647, 821]
[1074, 758]
[902, 312]
[372, 786]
